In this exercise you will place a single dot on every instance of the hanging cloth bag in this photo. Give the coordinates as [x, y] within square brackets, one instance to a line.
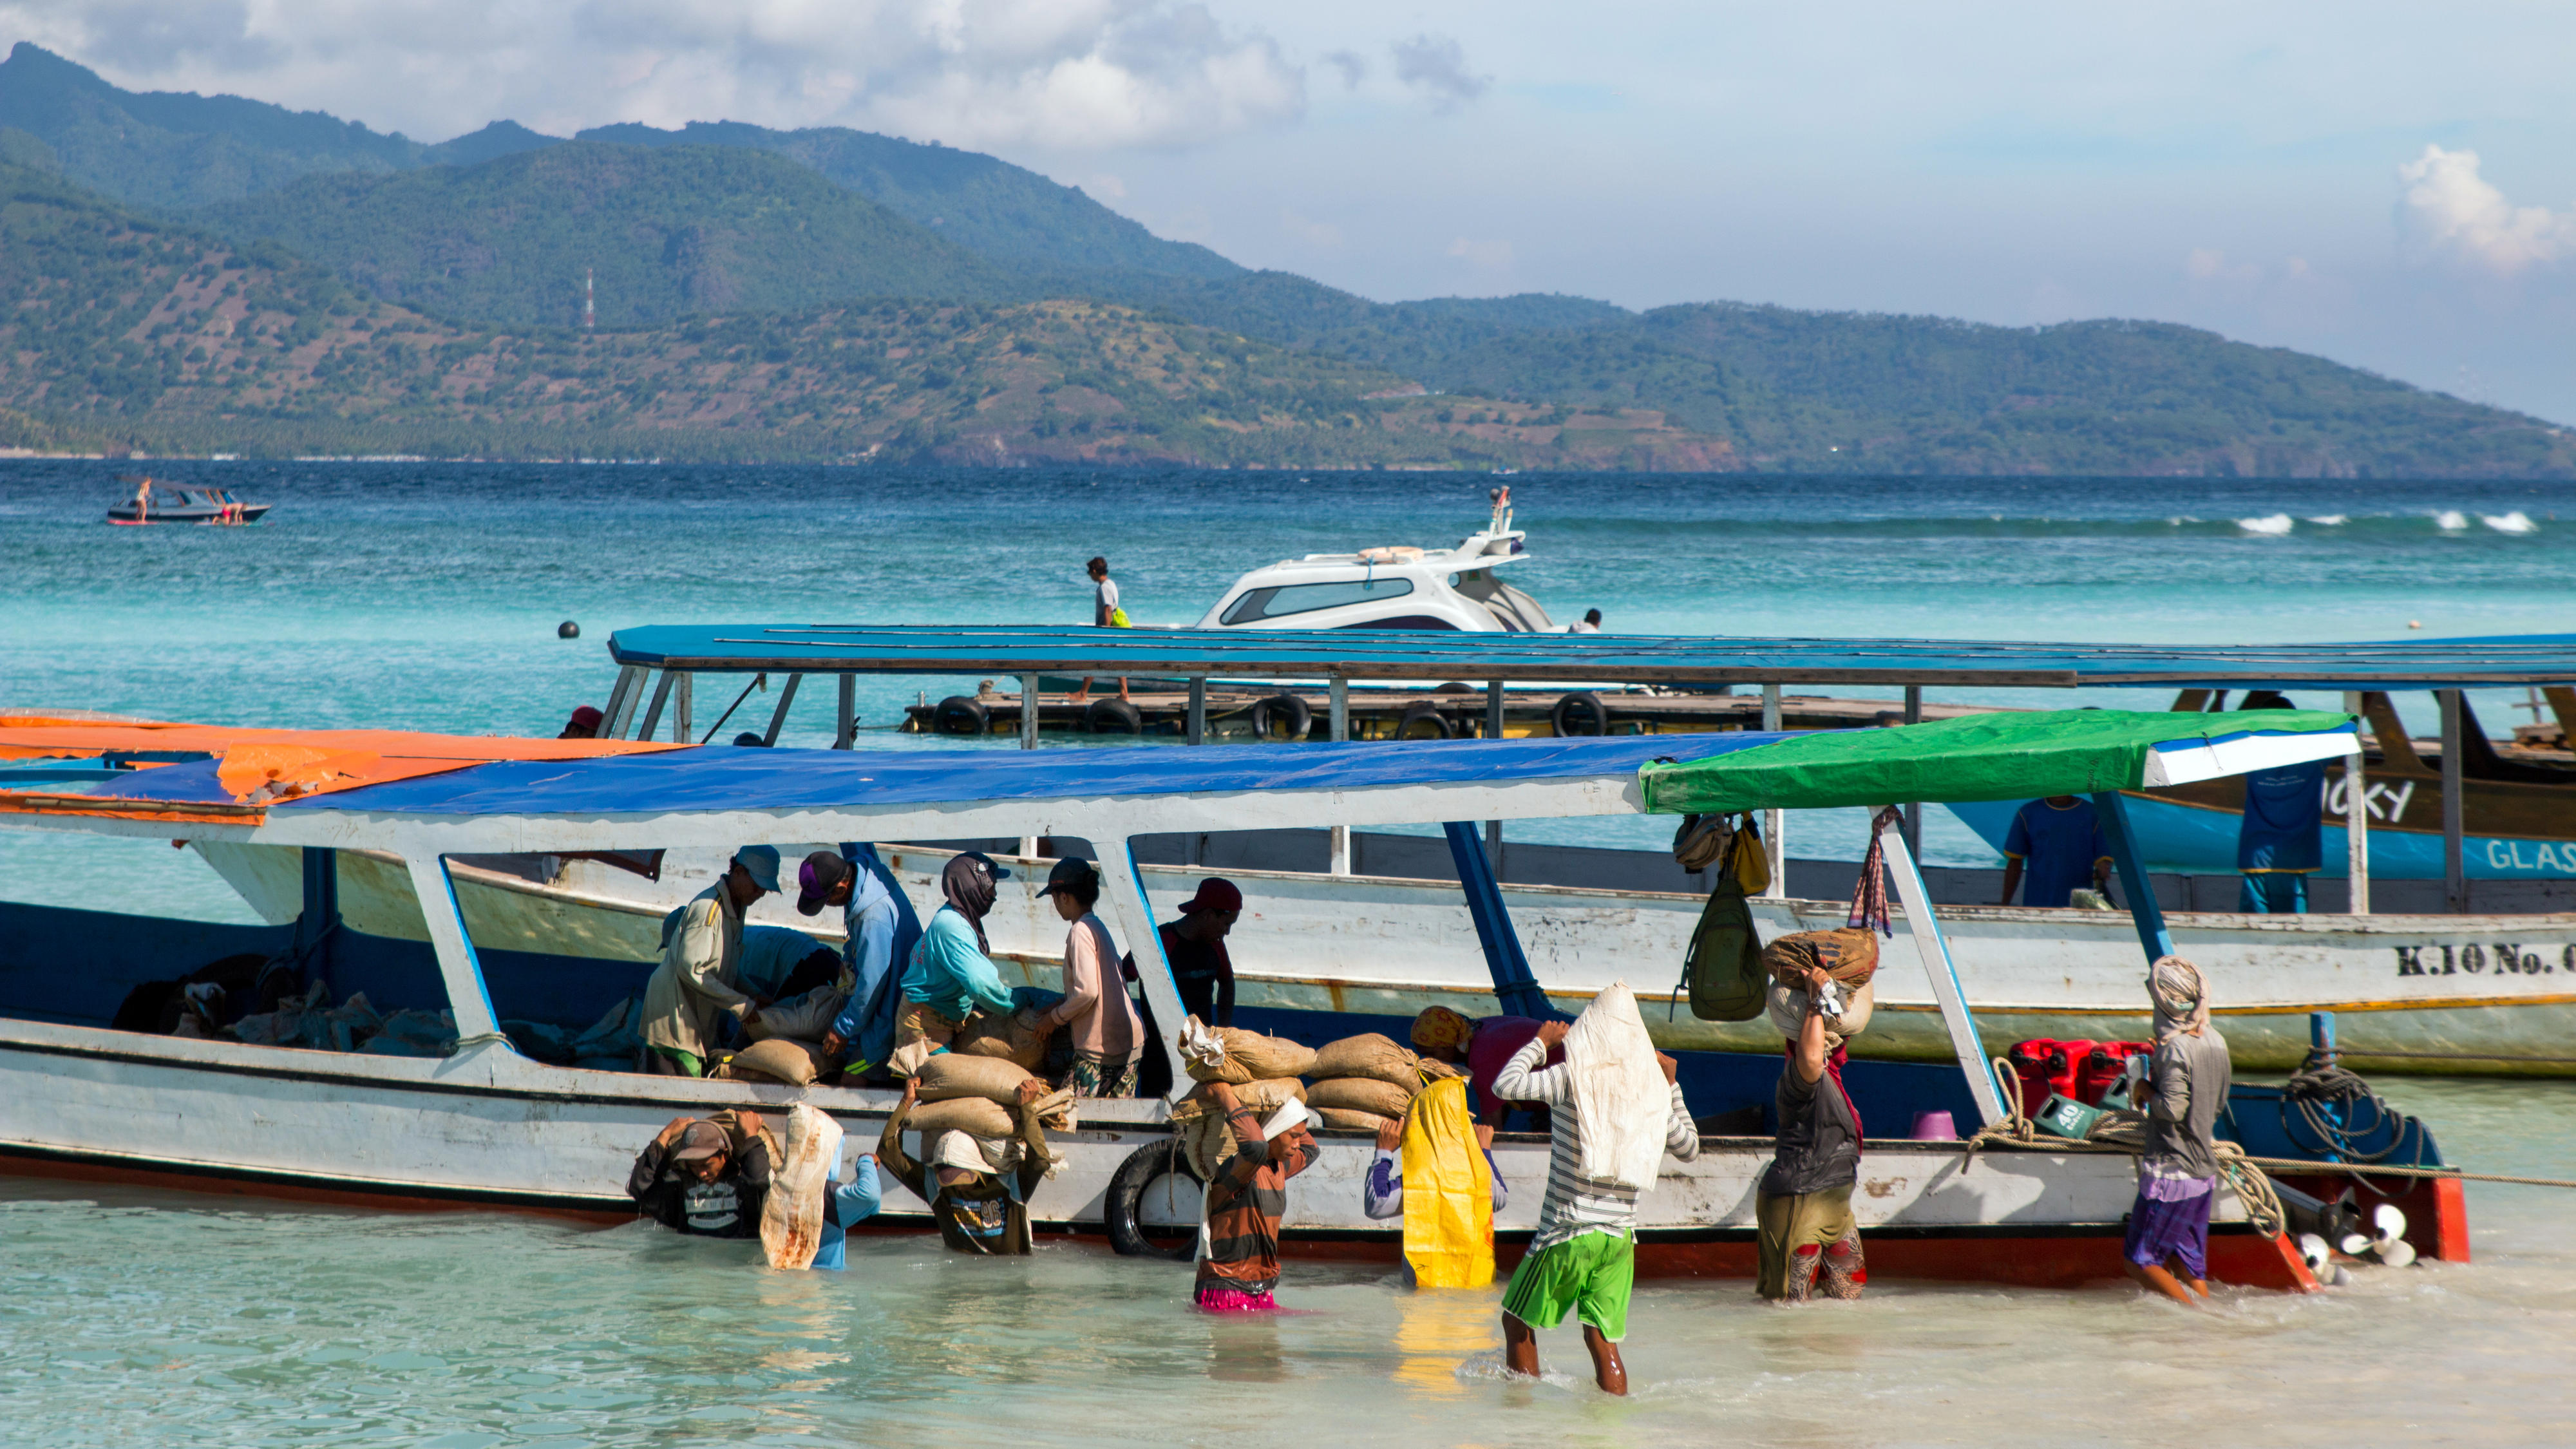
[1722, 970]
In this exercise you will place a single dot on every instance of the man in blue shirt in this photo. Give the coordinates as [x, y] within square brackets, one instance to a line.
[2058, 844]
[881, 932]
[2279, 844]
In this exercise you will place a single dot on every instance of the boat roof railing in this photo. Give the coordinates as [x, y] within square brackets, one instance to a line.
[1572, 659]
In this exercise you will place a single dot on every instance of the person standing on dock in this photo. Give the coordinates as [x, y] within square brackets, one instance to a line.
[2178, 1171]
[1615, 1109]
[2058, 846]
[1106, 1033]
[1590, 623]
[701, 968]
[951, 974]
[1802, 1206]
[2280, 838]
[1105, 614]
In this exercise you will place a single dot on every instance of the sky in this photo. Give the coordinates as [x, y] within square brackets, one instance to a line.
[2392, 186]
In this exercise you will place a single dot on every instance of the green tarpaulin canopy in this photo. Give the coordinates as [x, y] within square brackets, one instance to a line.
[1995, 757]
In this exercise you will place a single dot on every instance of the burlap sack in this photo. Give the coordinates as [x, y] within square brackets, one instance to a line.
[1207, 1139]
[1001, 1036]
[1368, 1055]
[1359, 1094]
[1345, 1117]
[948, 1076]
[1849, 955]
[805, 1017]
[779, 1059]
[791, 1216]
[1434, 1070]
[974, 1116]
[1788, 1010]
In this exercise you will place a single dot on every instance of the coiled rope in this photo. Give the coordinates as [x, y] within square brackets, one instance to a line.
[2125, 1131]
[2339, 1112]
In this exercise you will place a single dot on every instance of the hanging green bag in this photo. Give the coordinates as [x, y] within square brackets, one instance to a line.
[1723, 968]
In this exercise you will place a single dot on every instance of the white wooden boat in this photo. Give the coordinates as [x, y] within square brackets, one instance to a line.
[485, 1124]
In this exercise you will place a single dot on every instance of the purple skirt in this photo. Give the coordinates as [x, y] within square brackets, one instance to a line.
[2161, 1230]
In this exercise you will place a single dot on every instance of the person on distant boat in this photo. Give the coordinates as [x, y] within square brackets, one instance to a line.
[584, 724]
[2187, 1086]
[977, 1188]
[1590, 623]
[1195, 947]
[706, 1177]
[1106, 1032]
[2280, 838]
[862, 1036]
[1482, 1045]
[1105, 614]
[701, 968]
[1246, 1204]
[951, 974]
[2058, 846]
[1802, 1205]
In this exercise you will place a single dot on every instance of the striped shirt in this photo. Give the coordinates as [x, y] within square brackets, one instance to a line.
[1576, 1204]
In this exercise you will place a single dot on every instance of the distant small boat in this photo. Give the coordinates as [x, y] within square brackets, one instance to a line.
[159, 503]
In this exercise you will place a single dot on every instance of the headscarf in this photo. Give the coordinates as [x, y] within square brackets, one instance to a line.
[968, 884]
[2181, 996]
[1620, 1095]
[1439, 1027]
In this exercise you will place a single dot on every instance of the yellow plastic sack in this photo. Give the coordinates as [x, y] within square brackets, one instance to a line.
[1448, 1192]
[1752, 864]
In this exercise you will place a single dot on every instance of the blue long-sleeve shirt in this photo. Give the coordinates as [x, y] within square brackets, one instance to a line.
[1382, 1191]
[845, 1206]
[950, 974]
[866, 1022]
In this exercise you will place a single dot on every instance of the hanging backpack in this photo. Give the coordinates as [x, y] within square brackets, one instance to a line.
[1722, 970]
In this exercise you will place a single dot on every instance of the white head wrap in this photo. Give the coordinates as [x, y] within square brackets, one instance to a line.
[2181, 996]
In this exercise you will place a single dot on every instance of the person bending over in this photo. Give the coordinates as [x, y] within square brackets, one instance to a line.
[978, 1189]
[705, 1177]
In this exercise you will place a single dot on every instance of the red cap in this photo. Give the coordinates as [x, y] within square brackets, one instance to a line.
[1215, 894]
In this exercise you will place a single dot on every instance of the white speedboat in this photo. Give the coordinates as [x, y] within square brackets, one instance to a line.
[1396, 586]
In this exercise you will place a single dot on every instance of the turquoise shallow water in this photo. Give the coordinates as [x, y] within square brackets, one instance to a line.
[138, 1318]
[427, 595]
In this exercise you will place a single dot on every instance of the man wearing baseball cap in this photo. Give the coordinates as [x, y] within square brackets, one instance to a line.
[700, 975]
[862, 1035]
[1195, 945]
[706, 1177]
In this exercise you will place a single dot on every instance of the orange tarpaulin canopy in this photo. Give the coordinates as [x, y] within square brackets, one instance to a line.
[259, 766]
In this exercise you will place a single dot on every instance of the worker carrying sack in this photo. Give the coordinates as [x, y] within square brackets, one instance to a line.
[1722, 970]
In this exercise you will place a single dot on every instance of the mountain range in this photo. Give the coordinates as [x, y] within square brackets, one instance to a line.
[195, 273]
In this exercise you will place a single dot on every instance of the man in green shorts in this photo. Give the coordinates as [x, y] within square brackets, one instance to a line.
[1583, 1260]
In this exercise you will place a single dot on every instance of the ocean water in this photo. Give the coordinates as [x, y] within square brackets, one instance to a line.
[427, 595]
[134, 1318]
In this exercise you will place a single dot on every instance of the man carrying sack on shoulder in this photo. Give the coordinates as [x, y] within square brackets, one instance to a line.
[1614, 1110]
[1802, 1206]
[1444, 1185]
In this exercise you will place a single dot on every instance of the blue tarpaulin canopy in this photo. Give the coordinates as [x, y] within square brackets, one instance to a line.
[1607, 658]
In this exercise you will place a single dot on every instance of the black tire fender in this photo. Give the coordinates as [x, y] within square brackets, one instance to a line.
[1423, 711]
[961, 714]
[1112, 716]
[1122, 1207]
[1566, 720]
[1285, 709]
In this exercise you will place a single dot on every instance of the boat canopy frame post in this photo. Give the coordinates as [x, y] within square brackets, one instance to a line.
[1775, 823]
[1133, 911]
[1028, 711]
[1494, 731]
[2356, 817]
[319, 919]
[653, 710]
[1514, 987]
[1337, 698]
[621, 700]
[2455, 874]
[2144, 909]
[459, 968]
[1923, 930]
[1914, 808]
[1198, 709]
[845, 725]
[682, 726]
[778, 716]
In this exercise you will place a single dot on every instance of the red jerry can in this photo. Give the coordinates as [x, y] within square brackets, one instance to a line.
[2102, 1067]
[2045, 1066]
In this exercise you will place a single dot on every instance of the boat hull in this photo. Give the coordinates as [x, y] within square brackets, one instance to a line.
[490, 1128]
[2439, 994]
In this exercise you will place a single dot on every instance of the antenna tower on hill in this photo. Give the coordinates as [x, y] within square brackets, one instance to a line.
[589, 299]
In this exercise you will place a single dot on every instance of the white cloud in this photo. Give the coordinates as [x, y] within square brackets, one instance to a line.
[2209, 264]
[1484, 256]
[1435, 66]
[1069, 75]
[2449, 210]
